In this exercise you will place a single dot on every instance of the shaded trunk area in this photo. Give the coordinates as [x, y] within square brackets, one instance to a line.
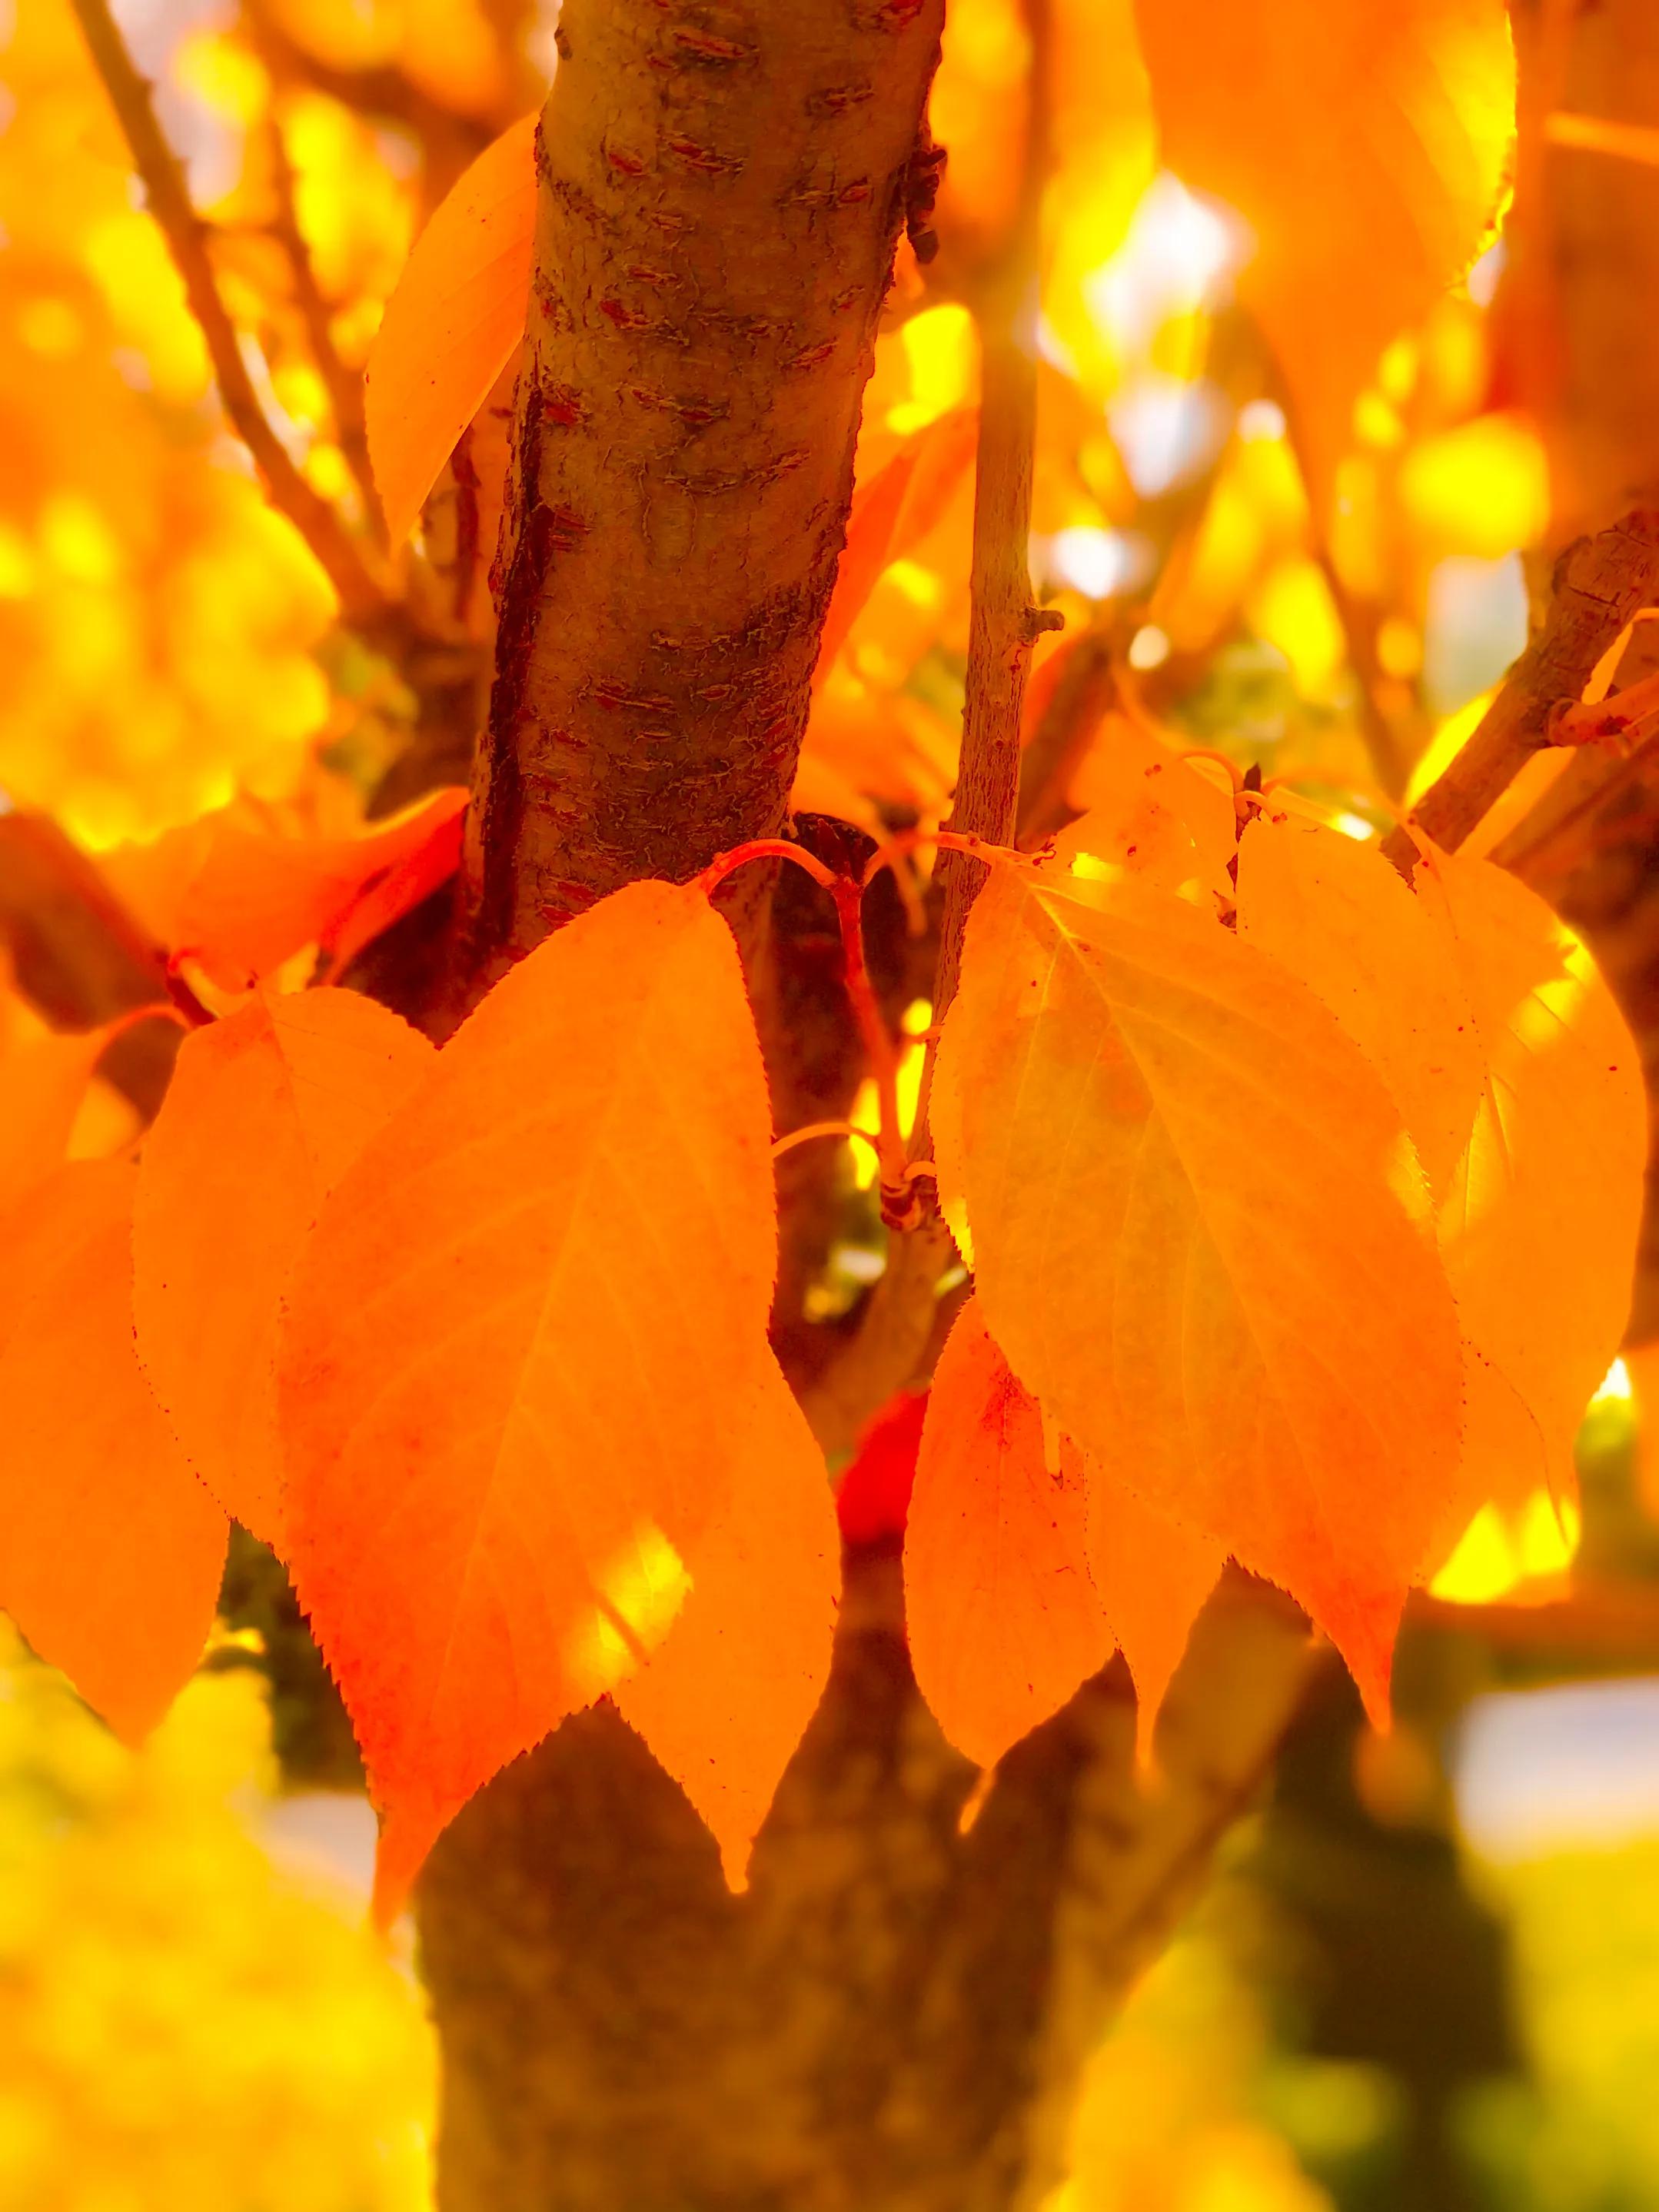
[896, 2012]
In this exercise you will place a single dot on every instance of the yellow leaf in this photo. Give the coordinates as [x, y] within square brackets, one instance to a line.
[1338, 915]
[1201, 1236]
[1539, 1228]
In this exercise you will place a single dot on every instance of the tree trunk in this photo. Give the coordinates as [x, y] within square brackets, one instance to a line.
[722, 189]
[1579, 312]
[1579, 347]
[893, 2013]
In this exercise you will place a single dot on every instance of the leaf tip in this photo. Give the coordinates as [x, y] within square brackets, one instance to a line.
[407, 1835]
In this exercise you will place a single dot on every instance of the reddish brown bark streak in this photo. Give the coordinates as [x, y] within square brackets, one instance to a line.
[721, 188]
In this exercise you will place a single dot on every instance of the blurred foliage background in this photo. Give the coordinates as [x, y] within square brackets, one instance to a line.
[1428, 1974]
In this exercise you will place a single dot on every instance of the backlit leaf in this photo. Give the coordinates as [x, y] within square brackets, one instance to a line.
[892, 513]
[1003, 1620]
[1201, 1237]
[1153, 1574]
[110, 1551]
[1364, 146]
[1148, 811]
[266, 1110]
[1338, 915]
[723, 1699]
[524, 1347]
[260, 898]
[242, 896]
[1538, 1228]
[452, 324]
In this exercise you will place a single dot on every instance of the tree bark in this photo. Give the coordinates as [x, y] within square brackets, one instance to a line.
[895, 2014]
[721, 189]
[1579, 312]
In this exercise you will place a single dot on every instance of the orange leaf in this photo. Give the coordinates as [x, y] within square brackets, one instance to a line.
[43, 1081]
[1002, 1619]
[722, 1701]
[1201, 1237]
[1153, 1574]
[265, 1112]
[1336, 914]
[1364, 147]
[1538, 1228]
[894, 512]
[111, 1551]
[257, 899]
[452, 324]
[1148, 811]
[522, 1349]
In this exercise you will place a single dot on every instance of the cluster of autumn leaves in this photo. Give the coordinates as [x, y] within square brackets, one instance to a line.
[1301, 1197]
[1301, 1201]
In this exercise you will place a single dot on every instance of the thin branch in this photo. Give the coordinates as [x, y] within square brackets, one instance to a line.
[1004, 623]
[1359, 627]
[449, 140]
[896, 1329]
[361, 598]
[1357, 621]
[344, 386]
[1600, 584]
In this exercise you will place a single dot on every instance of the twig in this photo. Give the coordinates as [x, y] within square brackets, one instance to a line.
[1003, 624]
[891, 1344]
[1601, 583]
[361, 598]
[344, 387]
[1387, 756]
[1003, 627]
[449, 140]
